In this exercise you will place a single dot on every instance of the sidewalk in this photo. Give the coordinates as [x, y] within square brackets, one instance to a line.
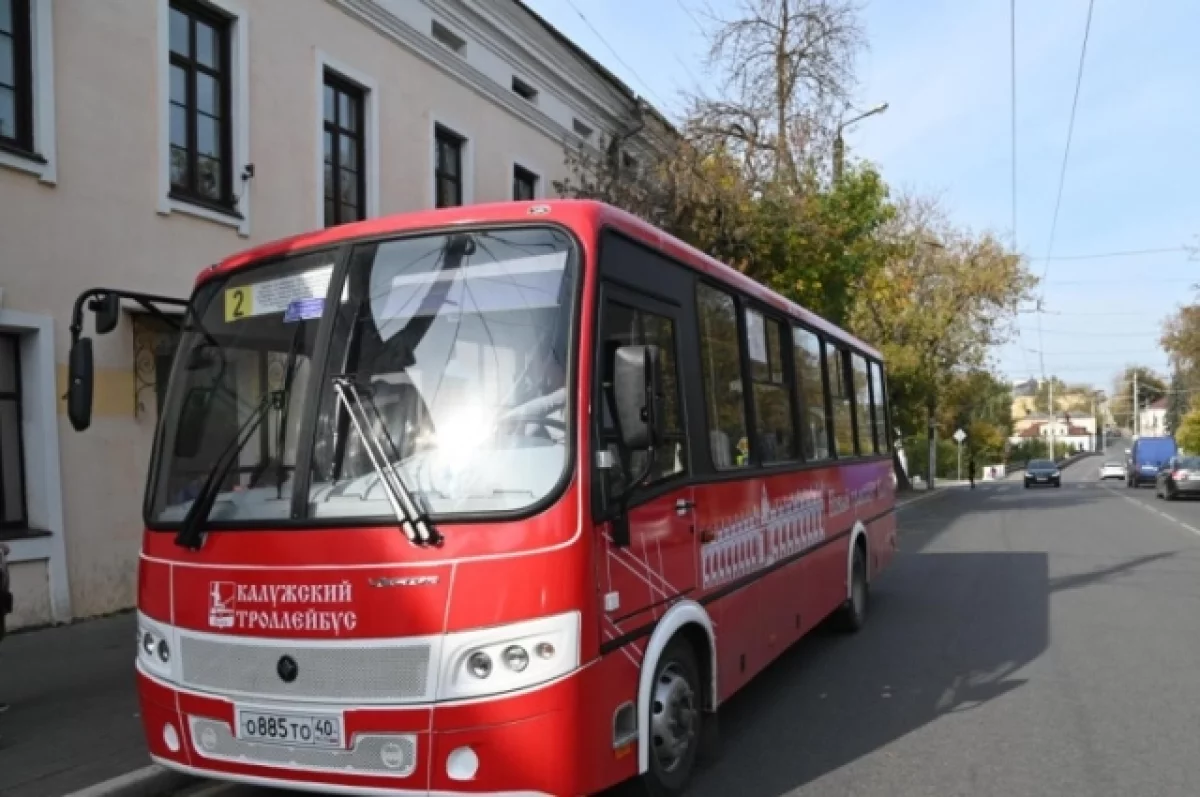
[74, 718]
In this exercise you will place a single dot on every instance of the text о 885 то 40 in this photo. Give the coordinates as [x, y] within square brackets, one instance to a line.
[308, 730]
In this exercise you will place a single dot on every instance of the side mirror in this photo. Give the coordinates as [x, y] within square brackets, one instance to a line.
[637, 388]
[193, 418]
[108, 312]
[80, 377]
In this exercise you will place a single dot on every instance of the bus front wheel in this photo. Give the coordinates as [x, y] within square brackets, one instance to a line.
[675, 721]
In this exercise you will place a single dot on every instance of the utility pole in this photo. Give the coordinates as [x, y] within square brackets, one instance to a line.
[1052, 421]
[1135, 405]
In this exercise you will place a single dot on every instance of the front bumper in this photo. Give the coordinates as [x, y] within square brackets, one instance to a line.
[526, 745]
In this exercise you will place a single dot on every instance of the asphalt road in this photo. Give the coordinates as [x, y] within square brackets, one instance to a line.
[1026, 642]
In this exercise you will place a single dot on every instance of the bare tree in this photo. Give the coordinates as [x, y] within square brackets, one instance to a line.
[787, 68]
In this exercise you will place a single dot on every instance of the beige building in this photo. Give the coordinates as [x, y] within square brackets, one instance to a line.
[142, 140]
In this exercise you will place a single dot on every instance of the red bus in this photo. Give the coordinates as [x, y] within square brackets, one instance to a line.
[504, 499]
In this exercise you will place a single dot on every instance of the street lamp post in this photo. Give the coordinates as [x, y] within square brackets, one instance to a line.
[839, 146]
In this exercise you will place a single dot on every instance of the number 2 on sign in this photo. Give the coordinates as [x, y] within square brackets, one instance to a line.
[237, 304]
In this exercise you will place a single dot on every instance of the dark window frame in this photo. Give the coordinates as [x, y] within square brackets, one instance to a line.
[641, 306]
[336, 130]
[823, 389]
[711, 415]
[524, 177]
[22, 141]
[22, 521]
[524, 90]
[770, 319]
[443, 135]
[222, 26]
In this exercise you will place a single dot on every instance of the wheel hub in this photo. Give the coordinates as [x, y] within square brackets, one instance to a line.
[672, 718]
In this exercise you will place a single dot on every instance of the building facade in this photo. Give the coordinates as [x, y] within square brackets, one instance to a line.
[143, 140]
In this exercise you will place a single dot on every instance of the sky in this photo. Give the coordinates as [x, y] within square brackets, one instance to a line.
[944, 68]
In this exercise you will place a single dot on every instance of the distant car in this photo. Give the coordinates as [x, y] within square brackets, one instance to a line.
[1147, 458]
[1180, 476]
[1113, 469]
[1042, 471]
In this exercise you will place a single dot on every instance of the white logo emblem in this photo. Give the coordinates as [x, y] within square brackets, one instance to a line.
[222, 600]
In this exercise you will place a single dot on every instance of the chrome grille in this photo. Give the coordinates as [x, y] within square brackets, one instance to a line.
[363, 674]
[393, 755]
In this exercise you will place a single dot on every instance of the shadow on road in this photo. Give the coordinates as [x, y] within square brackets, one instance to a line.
[927, 652]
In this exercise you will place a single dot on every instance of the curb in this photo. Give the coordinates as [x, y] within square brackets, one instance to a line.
[149, 781]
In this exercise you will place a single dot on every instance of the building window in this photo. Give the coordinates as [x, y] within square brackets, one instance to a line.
[581, 130]
[16, 75]
[724, 392]
[524, 90]
[448, 38]
[201, 109]
[345, 151]
[448, 169]
[525, 184]
[13, 513]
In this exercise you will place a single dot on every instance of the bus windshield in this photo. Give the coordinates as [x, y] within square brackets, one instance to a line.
[456, 345]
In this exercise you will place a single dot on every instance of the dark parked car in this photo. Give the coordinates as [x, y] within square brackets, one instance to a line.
[1042, 471]
[1180, 476]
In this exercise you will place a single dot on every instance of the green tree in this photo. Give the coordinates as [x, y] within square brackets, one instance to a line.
[1151, 387]
[1188, 434]
[1177, 403]
[943, 299]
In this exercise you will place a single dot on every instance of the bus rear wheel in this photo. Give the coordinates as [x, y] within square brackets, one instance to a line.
[853, 615]
[675, 721]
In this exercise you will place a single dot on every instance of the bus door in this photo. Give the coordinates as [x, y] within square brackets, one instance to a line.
[641, 579]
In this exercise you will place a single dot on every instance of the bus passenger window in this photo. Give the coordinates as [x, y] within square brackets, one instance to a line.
[883, 443]
[723, 388]
[862, 404]
[814, 434]
[772, 395]
[839, 392]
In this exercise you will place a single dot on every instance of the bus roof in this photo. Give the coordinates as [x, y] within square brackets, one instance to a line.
[583, 215]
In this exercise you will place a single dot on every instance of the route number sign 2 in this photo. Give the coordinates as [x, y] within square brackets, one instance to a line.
[239, 303]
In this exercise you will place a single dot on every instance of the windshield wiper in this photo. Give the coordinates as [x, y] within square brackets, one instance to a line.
[191, 531]
[413, 520]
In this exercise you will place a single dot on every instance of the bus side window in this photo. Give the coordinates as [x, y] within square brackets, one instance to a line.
[723, 389]
[773, 415]
[839, 394]
[883, 443]
[862, 404]
[623, 325]
[814, 433]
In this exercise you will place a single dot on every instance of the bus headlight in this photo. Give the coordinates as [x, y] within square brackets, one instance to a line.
[155, 647]
[505, 658]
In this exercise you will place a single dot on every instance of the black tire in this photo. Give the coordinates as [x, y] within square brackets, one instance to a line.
[677, 689]
[852, 615]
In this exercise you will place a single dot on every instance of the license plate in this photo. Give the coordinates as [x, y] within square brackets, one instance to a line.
[1042, 479]
[290, 728]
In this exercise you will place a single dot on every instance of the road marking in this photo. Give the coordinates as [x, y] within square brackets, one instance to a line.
[1155, 510]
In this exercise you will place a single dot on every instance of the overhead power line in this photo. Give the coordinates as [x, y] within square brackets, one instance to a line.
[1125, 253]
[1012, 47]
[615, 54]
[1062, 175]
